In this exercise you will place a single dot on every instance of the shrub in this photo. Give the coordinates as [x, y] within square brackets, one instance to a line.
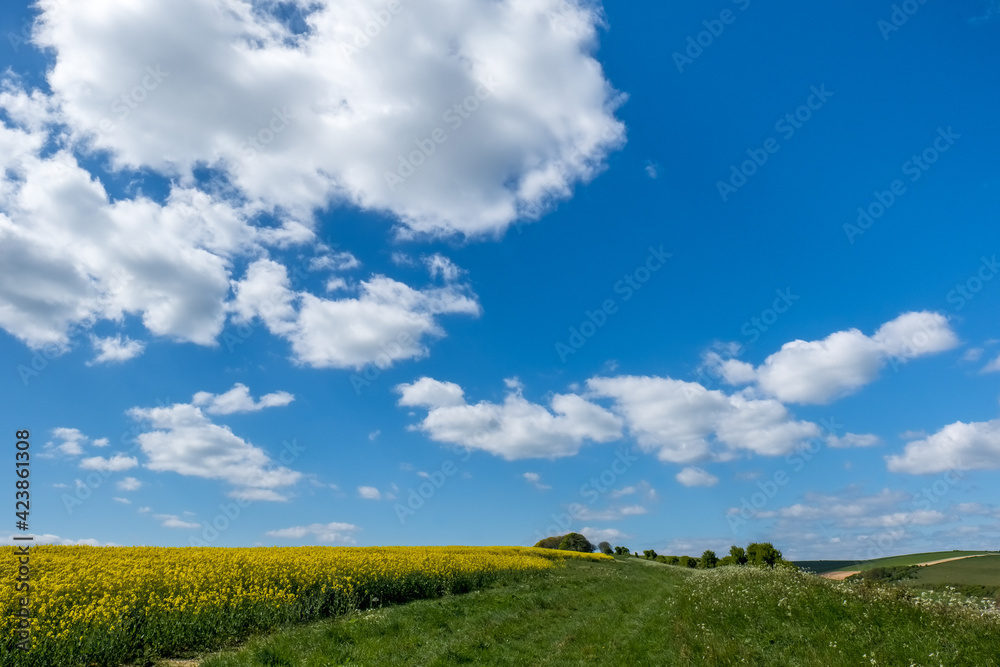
[708, 559]
[550, 542]
[605, 548]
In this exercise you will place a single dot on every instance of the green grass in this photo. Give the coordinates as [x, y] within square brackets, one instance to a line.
[913, 559]
[644, 613]
[978, 577]
[983, 571]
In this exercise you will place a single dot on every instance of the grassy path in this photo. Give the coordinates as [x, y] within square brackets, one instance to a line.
[573, 617]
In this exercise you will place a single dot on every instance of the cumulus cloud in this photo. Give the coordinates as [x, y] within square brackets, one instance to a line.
[683, 422]
[535, 480]
[322, 532]
[369, 493]
[116, 463]
[48, 538]
[238, 399]
[852, 440]
[958, 446]
[993, 366]
[692, 476]
[334, 261]
[116, 350]
[597, 535]
[129, 484]
[441, 267]
[386, 322]
[74, 257]
[68, 441]
[514, 429]
[187, 442]
[172, 521]
[843, 362]
[502, 102]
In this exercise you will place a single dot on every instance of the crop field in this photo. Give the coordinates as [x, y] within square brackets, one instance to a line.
[982, 571]
[109, 605]
[914, 559]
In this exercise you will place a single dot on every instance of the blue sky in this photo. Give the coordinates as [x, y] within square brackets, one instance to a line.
[675, 277]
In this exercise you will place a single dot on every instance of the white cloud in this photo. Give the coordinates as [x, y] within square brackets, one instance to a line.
[374, 434]
[337, 261]
[683, 422]
[852, 440]
[129, 484]
[115, 350]
[535, 480]
[48, 538]
[116, 463]
[369, 493]
[72, 441]
[597, 535]
[328, 532]
[845, 361]
[172, 521]
[384, 323]
[123, 501]
[692, 476]
[238, 399]
[316, 123]
[959, 446]
[430, 393]
[992, 367]
[188, 443]
[74, 257]
[973, 354]
[514, 429]
[914, 518]
[442, 267]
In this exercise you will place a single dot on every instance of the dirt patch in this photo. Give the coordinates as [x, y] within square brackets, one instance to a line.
[839, 576]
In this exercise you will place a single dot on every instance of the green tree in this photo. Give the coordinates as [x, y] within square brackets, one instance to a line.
[708, 559]
[687, 561]
[576, 542]
[650, 554]
[623, 551]
[738, 554]
[672, 560]
[605, 548]
[550, 542]
[763, 553]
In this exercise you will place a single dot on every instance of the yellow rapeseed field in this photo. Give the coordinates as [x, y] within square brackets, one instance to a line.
[92, 601]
